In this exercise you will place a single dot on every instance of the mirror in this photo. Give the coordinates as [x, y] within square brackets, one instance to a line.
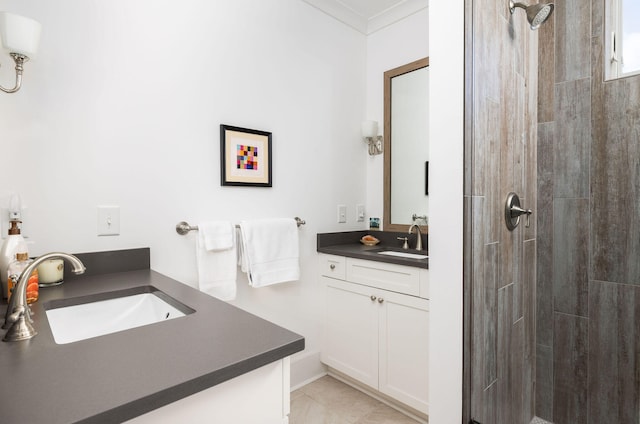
[406, 146]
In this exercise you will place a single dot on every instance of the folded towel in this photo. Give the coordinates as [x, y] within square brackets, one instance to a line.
[217, 266]
[217, 235]
[269, 251]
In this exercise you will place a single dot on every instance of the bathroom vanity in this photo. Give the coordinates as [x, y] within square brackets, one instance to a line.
[377, 320]
[202, 367]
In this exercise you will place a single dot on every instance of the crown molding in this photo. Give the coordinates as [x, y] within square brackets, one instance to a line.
[368, 24]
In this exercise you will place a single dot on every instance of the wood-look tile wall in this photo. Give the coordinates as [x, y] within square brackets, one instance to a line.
[588, 258]
[500, 265]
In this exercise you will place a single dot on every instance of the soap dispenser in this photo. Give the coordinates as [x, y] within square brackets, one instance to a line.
[11, 243]
[15, 270]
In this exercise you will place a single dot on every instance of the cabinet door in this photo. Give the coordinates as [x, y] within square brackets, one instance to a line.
[351, 330]
[404, 349]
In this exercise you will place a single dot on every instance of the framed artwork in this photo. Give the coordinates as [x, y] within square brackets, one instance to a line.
[245, 157]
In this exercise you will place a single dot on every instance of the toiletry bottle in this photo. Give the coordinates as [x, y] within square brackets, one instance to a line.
[8, 253]
[13, 276]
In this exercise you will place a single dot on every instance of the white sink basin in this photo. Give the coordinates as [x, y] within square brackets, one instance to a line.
[86, 320]
[403, 254]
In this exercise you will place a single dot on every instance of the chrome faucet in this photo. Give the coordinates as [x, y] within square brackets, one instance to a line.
[419, 241]
[18, 317]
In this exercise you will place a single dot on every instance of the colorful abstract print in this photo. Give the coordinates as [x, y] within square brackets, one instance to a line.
[247, 157]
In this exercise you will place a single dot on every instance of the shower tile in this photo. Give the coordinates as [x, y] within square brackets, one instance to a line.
[546, 71]
[573, 45]
[616, 185]
[490, 318]
[544, 240]
[504, 167]
[505, 413]
[517, 373]
[493, 221]
[571, 256]
[491, 404]
[598, 117]
[529, 292]
[529, 313]
[614, 358]
[483, 361]
[467, 316]
[597, 18]
[485, 151]
[512, 266]
[530, 155]
[570, 369]
[485, 315]
[573, 138]
[487, 48]
[544, 381]
[545, 155]
[517, 136]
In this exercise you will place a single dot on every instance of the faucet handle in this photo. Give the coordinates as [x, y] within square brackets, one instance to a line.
[406, 242]
[15, 315]
[21, 329]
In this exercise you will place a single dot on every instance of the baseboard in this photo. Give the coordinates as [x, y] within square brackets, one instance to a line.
[305, 368]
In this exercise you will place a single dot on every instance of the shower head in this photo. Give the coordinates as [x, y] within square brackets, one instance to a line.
[537, 14]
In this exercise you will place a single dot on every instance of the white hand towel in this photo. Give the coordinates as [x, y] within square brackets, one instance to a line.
[217, 235]
[269, 251]
[216, 258]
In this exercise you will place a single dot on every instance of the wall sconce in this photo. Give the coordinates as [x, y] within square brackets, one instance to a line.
[20, 36]
[371, 137]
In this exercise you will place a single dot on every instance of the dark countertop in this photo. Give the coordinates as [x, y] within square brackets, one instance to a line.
[116, 377]
[348, 244]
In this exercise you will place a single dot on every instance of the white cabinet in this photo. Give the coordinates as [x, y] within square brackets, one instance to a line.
[403, 366]
[377, 336]
[266, 388]
[351, 331]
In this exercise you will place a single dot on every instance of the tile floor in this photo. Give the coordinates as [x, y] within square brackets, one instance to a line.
[329, 401]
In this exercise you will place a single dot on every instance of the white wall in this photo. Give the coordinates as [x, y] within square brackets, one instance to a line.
[446, 97]
[388, 48]
[123, 106]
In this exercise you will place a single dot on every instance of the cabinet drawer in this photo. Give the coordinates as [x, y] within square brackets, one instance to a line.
[332, 266]
[397, 278]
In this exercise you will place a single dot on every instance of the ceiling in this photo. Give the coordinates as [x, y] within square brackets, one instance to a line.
[368, 16]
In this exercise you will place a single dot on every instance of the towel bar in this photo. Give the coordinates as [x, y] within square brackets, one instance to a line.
[183, 227]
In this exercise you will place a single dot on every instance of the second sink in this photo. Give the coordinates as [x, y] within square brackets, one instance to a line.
[403, 254]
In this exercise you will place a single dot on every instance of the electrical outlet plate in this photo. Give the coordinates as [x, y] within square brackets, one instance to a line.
[342, 214]
[108, 220]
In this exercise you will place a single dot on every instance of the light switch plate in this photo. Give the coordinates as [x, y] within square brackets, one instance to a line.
[342, 214]
[359, 213]
[108, 220]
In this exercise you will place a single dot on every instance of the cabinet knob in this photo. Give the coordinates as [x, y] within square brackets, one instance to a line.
[332, 266]
[373, 298]
[380, 300]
